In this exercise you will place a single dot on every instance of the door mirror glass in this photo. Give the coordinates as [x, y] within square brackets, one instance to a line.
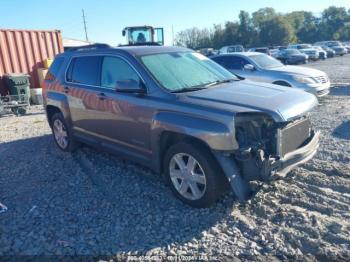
[249, 67]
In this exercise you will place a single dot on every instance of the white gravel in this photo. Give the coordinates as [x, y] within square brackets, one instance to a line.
[92, 203]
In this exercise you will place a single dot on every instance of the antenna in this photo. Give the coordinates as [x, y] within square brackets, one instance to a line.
[84, 21]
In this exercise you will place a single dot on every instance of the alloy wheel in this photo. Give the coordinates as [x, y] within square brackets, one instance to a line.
[60, 133]
[187, 176]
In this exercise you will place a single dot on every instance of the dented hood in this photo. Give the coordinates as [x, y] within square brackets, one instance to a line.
[281, 103]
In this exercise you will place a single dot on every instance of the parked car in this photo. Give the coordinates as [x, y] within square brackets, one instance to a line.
[330, 51]
[292, 57]
[208, 51]
[263, 50]
[347, 46]
[263, 68]
[181, 114]
[231, 49]
[274, 53]
[335, 45]
[322, 53]
[306, 49]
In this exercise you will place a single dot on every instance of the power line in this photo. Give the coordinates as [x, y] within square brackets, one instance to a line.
[84, 21]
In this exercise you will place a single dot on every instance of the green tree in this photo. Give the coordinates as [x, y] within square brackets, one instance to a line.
[230, 36]
[311, 31]
[262, 15]
[246, 33]
[333, 19]
[276, 31]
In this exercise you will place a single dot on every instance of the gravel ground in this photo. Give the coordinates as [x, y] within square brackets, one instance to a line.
[92, 203]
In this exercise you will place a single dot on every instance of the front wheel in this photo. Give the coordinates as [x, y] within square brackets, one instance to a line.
[193, 174]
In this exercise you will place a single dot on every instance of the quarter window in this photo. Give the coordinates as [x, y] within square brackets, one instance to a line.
[54, 68]
[115, 70]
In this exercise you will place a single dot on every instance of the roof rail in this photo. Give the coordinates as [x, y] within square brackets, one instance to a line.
[141, 44]
[89, 47]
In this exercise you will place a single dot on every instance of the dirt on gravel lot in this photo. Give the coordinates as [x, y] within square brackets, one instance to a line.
[92, 203]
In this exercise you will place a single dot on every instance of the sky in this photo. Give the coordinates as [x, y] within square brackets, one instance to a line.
[106, 18]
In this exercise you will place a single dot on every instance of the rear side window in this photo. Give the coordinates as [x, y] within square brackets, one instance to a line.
[54, 69]
[85, 70]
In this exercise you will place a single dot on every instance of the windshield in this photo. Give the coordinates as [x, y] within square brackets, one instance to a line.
[265, 61]
[305, 46]
[181, 70]
[139, 35]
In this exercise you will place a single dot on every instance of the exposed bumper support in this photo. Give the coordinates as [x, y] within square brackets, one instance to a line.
[239, 186]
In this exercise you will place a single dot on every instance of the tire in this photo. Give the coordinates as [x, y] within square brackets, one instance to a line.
[207, 169]
[70, 145]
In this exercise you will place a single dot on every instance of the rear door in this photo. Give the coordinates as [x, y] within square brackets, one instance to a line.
[82, 89]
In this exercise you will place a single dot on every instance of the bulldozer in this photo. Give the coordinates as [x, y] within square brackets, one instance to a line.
[143, 35]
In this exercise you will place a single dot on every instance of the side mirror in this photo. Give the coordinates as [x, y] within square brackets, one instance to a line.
[249, 67]
[123, 33]
[130, 86]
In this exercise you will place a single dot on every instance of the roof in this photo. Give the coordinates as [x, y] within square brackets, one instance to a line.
[240, 54]
[133, 50]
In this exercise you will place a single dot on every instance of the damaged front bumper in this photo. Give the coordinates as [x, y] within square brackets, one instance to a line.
[264, 169]
[282, 166]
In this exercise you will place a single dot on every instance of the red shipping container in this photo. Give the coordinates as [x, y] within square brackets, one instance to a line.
[24, 51]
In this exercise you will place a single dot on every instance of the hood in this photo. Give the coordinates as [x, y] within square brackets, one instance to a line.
[338, 47]
[281, 103]
[298, 70]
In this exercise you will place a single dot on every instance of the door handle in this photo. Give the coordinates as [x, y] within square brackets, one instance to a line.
[101, 96]
[66, 89]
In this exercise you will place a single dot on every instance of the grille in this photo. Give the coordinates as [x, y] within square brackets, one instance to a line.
[323, 92]
[322, 79]
[293, 136]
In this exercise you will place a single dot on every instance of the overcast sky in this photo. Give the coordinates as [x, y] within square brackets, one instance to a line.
[107, 18]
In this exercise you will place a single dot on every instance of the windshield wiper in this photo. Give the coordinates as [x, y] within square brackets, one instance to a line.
[220, 82]
[189, 89]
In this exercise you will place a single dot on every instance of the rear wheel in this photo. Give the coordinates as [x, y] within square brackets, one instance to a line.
[62, 133]
[193, 174]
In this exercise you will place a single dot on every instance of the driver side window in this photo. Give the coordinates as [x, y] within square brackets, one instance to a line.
[115, 70]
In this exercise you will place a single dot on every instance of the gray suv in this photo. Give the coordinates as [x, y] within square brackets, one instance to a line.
[182, 115]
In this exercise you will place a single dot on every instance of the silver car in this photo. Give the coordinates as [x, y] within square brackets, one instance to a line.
[263, 68]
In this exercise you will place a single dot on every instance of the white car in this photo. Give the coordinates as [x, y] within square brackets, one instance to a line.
[231, 49]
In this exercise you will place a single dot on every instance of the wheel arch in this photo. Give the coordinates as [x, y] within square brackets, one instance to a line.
[50, 112]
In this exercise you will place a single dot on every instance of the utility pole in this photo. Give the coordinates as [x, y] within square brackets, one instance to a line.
[84, 21]
[172, 34]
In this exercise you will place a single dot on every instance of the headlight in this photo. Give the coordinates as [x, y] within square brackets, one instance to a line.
[304, 79]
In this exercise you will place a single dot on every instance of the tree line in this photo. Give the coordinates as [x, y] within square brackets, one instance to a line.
[266, 27]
